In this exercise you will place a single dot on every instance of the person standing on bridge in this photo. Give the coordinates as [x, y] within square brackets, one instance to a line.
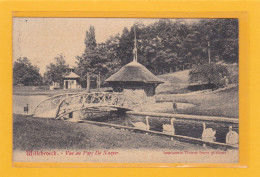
[174, 106]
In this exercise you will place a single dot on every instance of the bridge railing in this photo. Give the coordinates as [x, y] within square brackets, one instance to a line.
[87, 100]
[46, 108]
[63, 103]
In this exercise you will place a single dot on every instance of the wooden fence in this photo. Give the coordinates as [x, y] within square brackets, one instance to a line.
[172, 69]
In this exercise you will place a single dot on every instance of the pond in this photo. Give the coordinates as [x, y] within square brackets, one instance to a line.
[190, 128]
[20, 101]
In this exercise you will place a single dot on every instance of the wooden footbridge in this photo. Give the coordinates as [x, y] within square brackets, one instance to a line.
[64, 104]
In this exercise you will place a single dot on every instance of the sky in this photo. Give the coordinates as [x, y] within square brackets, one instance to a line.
[42, 39]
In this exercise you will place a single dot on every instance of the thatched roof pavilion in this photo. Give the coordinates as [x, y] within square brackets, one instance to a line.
[134, 76]
[134, 72]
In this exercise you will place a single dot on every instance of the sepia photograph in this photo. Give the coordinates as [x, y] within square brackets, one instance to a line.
[126, 90]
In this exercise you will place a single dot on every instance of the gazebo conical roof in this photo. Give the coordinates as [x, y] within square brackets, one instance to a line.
[71, 75]
[134, 72]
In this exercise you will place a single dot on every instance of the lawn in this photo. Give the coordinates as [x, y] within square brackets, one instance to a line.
[216, 103]
[174, 83]
[39, 133]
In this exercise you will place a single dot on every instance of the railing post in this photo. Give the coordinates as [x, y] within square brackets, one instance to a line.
[88, 83]
[98, 82]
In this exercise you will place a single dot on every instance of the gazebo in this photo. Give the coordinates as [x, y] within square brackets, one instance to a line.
[134, 76]
[71, 81]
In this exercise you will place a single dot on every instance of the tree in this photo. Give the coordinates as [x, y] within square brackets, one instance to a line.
[112, 53]
[195, 52]
[55, 71]
[211, 74]
[25, 73]
[223, 37]
[90, 55]
[95, 58]
[90, 40]
[126, 45]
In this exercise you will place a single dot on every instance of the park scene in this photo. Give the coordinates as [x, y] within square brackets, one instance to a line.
[169, 86]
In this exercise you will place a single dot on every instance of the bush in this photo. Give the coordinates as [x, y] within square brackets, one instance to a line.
[233, 79]
[215, 75]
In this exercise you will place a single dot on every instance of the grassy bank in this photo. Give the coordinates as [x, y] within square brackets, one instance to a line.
[38, 133]
[216, 103]
[174, 83]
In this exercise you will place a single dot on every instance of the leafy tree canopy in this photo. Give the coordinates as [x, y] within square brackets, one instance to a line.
[25, 73]
[101, 58]
[168, 43]
[55, 71]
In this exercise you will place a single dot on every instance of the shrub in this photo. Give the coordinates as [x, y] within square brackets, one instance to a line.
[212, 74]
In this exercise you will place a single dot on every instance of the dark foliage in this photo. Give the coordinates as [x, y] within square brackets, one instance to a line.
[55, 71]
[163, 44]
[215, 75]
[101, 58]
[24, 73]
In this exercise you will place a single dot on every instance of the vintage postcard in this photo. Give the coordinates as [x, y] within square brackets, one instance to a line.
[126, 90]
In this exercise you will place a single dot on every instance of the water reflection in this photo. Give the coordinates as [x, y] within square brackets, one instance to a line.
[190, 128]
[20, 101]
